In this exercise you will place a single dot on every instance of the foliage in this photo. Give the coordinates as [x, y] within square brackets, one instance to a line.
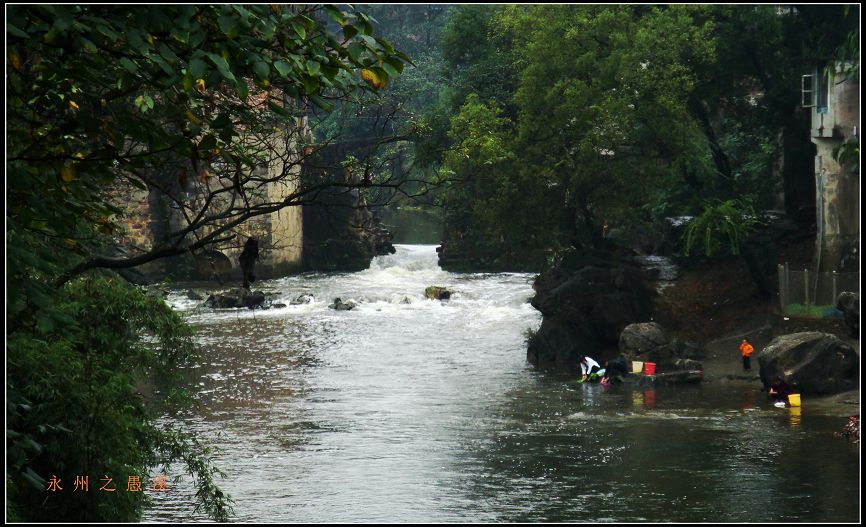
[75, 408]
[812, 311]
[167, 98]
[102, 97]
[380, 129]
[622, 115]
[847, 154]
[722, 224]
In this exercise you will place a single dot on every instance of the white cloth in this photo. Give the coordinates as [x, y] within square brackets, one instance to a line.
[586, 365]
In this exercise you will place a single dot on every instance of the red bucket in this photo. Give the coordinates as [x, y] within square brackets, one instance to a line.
[649, 368]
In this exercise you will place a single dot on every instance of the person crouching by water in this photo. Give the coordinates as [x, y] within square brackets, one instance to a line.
[588, 367]
[779, 390]
[746, 350]
[615, 370]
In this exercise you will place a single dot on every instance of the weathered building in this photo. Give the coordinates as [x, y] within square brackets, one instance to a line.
[834, 97]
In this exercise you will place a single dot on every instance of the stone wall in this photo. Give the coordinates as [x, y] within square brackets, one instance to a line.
[150, 214]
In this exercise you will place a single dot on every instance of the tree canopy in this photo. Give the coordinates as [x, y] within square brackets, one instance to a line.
[622, 115]
[188, 100]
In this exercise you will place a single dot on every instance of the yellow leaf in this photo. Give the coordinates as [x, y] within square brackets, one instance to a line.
[372, 79]
[15, 60]
[192, 118]
[73, 105]
[67, 173]
[150, 39]
[199, 85]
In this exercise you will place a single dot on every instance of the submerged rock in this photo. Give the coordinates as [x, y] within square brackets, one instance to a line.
[236, 298]
[339, 305]
[435, 292]
[813, 363]
[302, 299]
[194, 295]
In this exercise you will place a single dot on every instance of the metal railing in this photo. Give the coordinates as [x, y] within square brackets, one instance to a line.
[809, 294]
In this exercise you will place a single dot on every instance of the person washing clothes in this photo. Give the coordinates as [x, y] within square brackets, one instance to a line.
[615, 370]
[779, 391]
[588, 367]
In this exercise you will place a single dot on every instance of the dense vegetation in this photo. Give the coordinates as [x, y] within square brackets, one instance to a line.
[571, 122]
[534, 128]
[151, 97]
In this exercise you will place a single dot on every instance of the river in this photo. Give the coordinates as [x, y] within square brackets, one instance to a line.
[413, 410]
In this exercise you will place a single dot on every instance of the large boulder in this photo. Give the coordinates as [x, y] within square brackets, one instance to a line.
[813, 363]
[587, 299]
[648, 341]
[849, 305]
[644, 341]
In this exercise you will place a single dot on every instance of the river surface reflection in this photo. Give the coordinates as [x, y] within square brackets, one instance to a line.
[412, 410]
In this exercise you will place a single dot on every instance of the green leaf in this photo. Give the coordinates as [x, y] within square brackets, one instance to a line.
[262, 69]
[222, 66]
[15, 31]
[321, 103]
[389, 69]
[311, 84]
[355, 50]
[276, 108]
[128, 65]
[395, 63]
[349, 31]
[208, 142]
[313, 67]
[335, 14]
[198, 69]
[197, 38]
[228, 25]
[283, 68]
[167, 53]
[37, 481]
[242, 88]
[299, 29]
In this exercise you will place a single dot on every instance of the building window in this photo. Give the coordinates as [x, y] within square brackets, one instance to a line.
[822, 95]
[807, 89]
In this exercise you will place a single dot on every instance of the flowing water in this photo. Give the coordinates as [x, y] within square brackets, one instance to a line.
[414, 410]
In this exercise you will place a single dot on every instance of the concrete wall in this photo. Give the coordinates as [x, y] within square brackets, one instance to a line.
[837, 187]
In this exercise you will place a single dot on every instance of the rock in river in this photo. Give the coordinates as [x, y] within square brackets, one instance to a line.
[339, 305]
[435, 292]
[813, 363]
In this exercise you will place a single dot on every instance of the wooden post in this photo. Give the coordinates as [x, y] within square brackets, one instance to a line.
[781, 287]
[806, 284]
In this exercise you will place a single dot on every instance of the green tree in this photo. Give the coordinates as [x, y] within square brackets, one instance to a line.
[181, 99]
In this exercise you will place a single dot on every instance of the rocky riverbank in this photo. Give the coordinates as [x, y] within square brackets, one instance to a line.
[700, 315]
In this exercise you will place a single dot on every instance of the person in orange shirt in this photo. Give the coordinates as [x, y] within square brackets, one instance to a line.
[746, 350]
